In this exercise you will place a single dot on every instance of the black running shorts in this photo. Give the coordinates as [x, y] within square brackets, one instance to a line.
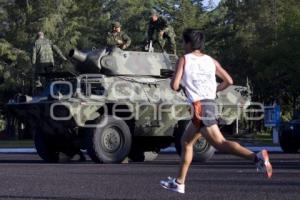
[204, 113]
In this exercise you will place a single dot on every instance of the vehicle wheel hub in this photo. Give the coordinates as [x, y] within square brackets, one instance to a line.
[200, 145]
[111, 139]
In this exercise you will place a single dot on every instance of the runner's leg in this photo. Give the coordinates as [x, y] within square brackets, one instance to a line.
[214, 136]
[189, 138]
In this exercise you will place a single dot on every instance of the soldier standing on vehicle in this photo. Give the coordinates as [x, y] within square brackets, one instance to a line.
[42, 56]
[159, 27]
[118, 38]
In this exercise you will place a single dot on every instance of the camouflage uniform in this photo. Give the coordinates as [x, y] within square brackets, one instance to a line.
[42, 55]
[42, 58]
[161, 25]
[113, 37]
[117, 38]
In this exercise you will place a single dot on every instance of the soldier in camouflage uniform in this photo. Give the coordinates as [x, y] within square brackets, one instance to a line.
[42, 56]
[159, 27]
[117, 38]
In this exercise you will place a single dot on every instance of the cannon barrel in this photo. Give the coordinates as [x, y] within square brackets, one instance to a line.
[77, 55]
[86, 62]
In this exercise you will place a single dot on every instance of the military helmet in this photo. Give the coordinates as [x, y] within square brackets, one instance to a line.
[116, 24]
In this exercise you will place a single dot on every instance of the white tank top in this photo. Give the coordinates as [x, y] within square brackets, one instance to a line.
[199, 77]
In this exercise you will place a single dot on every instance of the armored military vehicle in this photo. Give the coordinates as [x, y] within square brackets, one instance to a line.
[118, 104]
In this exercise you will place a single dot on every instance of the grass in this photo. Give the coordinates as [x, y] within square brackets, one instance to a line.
[16, 144]
[263, 136]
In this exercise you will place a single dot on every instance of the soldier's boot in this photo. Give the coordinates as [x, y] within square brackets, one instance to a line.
[173, 50]
[38, 87]
[38, 84]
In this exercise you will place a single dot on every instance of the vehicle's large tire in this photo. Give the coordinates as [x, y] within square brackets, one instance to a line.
[203, 151]
[110, 142]
[288, 144]
[45, 148]
[178, 132]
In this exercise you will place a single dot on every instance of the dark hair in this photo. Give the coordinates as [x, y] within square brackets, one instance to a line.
[195, 37]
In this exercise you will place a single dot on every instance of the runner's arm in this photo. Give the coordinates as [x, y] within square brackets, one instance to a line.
[226, 78]
[175, 83]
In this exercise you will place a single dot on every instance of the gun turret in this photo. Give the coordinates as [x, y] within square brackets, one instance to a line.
[86, 62]
[118, 62]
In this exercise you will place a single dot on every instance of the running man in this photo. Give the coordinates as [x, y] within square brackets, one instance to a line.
[198, 72]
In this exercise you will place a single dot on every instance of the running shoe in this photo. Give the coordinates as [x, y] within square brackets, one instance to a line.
[263, 163]
[171, 184]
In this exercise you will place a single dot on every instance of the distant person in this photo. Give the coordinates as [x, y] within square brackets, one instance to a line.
[118, 38]
[42, 56]
[161, 31]
[197, 71]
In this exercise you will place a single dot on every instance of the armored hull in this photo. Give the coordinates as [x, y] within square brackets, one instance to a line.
[119, 105]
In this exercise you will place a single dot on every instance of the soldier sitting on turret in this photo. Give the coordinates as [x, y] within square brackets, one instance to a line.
[117, 38]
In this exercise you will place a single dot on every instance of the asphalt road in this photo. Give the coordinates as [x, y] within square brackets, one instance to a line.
[25, 176]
